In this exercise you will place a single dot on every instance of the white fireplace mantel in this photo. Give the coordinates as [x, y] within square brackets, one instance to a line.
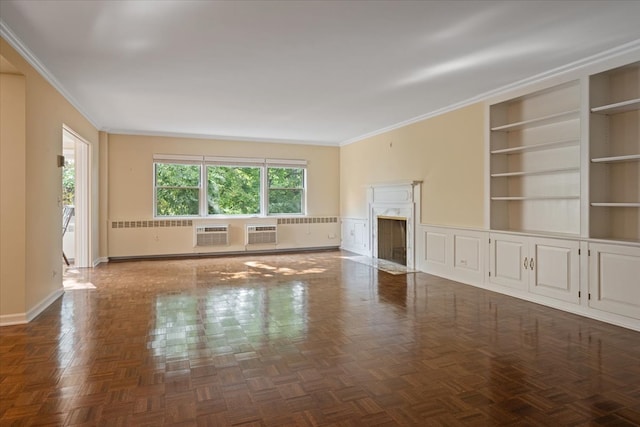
[399, 200]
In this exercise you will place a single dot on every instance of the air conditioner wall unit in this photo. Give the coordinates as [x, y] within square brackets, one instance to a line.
[211, 235]
[261, 234]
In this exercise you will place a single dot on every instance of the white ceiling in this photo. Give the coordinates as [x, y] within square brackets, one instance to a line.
[302, 71]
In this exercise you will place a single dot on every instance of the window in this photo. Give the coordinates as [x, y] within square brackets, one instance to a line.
[286, 190]
[233, 190]
[210, 186]
[177, 189]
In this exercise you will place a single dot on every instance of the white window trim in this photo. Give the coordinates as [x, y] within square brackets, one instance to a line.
[175, 160]
[204, 161]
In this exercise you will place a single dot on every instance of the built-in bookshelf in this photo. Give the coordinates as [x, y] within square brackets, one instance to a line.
[614, 151]
[535, 161]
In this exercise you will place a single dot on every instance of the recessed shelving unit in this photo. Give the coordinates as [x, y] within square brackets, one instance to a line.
[540, 172]
[614, 159]
[614, 148]
[618, 107]
[538, 121]
[536, 147]
[523, 198]
[564, 192]
[535, 161]
[616, 205]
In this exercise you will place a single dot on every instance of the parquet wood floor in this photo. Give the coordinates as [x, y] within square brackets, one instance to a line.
[308, 340]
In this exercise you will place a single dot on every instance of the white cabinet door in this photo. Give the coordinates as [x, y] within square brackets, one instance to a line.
[509, 260]
[554, 267]
[614, 279]
[549, 267]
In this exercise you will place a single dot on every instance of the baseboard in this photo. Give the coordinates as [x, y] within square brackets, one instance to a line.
[13, 319]
[22, 318]
[359, 251]
[223, 254]
[590, 313]
[42, 305]
[99, 261]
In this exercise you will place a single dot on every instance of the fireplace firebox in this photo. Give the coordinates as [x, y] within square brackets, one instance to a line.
[392, 239]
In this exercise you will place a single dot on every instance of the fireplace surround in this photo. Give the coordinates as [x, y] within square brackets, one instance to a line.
[396, 202]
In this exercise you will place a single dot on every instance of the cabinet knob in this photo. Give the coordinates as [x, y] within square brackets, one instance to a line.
[526, 262]
[531, 264]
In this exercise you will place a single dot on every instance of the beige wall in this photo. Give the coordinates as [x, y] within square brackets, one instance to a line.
[46, 113]
[446, 152]
[12, 195]
[130, 189]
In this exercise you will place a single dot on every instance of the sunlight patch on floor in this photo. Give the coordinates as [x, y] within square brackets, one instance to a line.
[285, 271]
[381, 264]
[73, 279]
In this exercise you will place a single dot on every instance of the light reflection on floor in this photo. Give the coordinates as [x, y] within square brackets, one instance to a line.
[381, 264]
[76, 278]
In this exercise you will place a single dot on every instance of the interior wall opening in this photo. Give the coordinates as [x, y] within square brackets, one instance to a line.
[75, 199]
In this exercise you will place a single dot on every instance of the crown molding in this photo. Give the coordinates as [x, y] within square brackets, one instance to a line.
[220, 137]
[15, 42]
[575, 66]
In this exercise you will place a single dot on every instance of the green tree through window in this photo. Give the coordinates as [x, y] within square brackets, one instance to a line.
[69, 182]
[177, 189]
[233, 190]
[286, 190]
[206, 186]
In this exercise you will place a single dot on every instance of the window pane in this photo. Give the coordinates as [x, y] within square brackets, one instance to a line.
[286, 190]
[175, 175]
[286, 178]
[177, 201]
[285, 201]
[233, 190]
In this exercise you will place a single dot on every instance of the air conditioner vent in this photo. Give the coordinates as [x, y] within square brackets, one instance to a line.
[261, 234]
[222, 229]
[211, 235]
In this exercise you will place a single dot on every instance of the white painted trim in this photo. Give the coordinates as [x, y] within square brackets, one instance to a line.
[44, 304]
[448, 270]
[589, 313]
[285, 162]
[240, 161]
[219, 137]
[83, 200]
[348, 235]
[13, 319]
[486, 201]
[99, 261]
[575, 66]
[585, 163]
[395, 199]
[178, 158]
[22, 49]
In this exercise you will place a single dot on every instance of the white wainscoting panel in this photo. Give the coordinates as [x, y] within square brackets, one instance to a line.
[614, 279]
[355, 236]
[434, 259]
[436, 247]
[456, 254]
[468, 256]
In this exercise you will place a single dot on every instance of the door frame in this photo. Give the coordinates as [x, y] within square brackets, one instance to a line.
[82, 153]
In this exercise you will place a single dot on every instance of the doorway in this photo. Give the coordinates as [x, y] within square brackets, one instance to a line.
[75, 193]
